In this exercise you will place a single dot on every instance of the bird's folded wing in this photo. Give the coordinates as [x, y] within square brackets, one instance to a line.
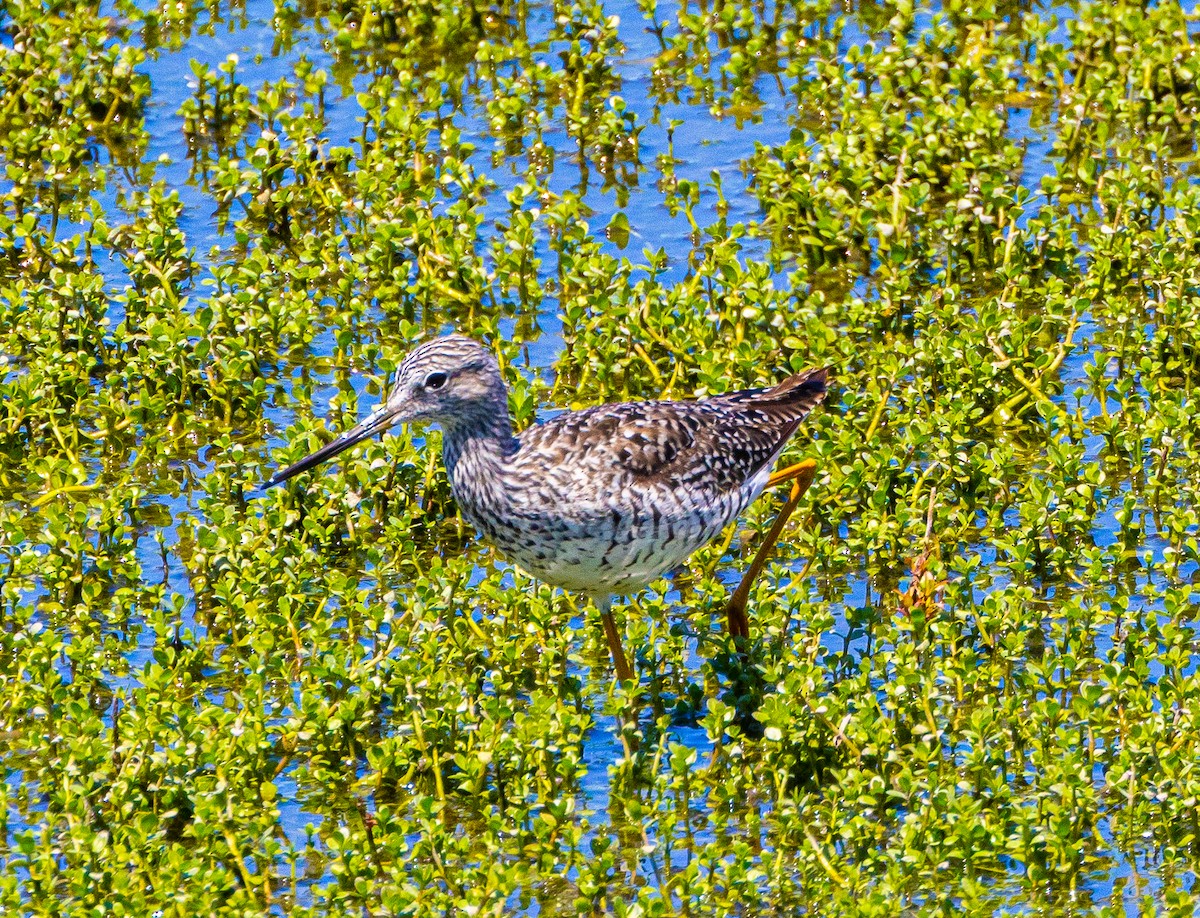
[712, 444]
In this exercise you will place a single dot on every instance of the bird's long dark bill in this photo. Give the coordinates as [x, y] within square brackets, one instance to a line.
[379, 421]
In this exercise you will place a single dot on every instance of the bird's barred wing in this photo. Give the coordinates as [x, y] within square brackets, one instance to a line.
[644, 439]
[710, 444]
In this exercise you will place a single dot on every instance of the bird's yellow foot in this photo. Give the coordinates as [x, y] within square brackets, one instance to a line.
[801, 476]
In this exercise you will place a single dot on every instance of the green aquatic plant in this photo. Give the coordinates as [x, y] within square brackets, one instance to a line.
[972, 685]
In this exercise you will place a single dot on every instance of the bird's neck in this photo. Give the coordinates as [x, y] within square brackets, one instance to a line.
[477, 446]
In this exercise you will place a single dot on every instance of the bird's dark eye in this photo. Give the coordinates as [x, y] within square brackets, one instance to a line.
[435, 380]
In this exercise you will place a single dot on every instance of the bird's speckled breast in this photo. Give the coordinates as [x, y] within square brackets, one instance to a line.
[593, 533]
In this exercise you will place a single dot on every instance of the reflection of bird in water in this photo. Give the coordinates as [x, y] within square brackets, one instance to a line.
[601, 501]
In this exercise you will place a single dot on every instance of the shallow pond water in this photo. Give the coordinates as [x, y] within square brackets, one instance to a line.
[971, 684]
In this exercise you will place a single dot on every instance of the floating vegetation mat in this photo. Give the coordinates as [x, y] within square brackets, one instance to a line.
[972, 685]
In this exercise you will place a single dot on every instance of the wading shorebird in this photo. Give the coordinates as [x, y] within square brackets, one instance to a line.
[604, 500]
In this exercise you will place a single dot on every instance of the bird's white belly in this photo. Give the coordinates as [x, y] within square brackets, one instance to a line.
[597, 566]
[618, 551]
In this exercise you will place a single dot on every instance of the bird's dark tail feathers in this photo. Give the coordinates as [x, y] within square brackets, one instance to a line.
[797, 395]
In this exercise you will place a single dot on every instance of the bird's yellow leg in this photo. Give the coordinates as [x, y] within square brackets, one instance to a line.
[614, 640]
[801, 476]
[806, 468]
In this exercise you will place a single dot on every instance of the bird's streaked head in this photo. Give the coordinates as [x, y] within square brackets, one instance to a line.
[453, 380]
[446, 380]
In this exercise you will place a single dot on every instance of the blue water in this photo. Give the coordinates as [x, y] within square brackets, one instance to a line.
[703, 145]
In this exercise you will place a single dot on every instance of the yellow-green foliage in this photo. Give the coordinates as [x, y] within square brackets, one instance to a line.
[972, 686]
